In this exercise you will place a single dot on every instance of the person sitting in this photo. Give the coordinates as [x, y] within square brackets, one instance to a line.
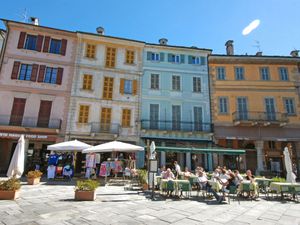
[168, 175]
[187, 174]
[249, 176]
[238, 178]
[215, 174]
[202, 180]
[161, 171]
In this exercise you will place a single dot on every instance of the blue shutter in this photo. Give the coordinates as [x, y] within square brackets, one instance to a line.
[149, 55]
[202, 60]
[190, 59]
[161, 56]
[170, 57]
[182, 58]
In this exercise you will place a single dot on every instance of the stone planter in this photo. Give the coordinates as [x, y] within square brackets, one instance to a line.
[33, 181]
[9, 195]
[85, 195]
[145, 187]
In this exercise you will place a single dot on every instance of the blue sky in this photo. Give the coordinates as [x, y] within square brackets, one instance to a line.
[206, 24]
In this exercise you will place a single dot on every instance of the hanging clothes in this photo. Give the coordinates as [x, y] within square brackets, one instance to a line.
[51, 171]
[104, 169]
[90, 160]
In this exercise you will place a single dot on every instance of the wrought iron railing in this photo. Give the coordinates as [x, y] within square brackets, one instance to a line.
[260, 116]
[113, 128]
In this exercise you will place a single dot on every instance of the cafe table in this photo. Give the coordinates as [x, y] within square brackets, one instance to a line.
[281, 188]
[174, 185]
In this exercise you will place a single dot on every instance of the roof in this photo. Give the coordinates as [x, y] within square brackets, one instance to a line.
[222, 151]
[178, 46]
[254, 56]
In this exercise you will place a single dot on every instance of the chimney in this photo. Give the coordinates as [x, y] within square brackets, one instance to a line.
[295, 53]
[163, 41]
[229, 47]
[258, 54]
[34, 20]
[100, 30]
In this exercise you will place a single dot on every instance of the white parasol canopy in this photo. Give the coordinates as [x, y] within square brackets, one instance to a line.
[290, 176]
[16, 166]
[114, 146]
[152, 150]
[69, 146]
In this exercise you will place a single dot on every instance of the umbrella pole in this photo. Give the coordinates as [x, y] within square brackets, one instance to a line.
[75, 162]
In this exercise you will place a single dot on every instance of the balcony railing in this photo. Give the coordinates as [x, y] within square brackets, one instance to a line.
[112, 128]
[33, 122]
[175, 126]
[260, 117]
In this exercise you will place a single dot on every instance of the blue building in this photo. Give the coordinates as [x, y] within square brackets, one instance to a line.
[175, 102]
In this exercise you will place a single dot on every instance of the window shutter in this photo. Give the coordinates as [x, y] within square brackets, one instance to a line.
[169, 57]
[15, 71]
[41, 73]
[39, 42]
[46, 44]
[149, 55]
[182, 58]
[190, 59]
[63, 46]
[122, 82]
[59, 75]
[134, 87]
[21, 39]
[34, 71]
[202, 58]
[161, 56]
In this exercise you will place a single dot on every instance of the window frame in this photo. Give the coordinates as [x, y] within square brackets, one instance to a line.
[176, 83]
[197, 87]
[222, 104]
[129, 57]
[110, 57]
[51, 74]
[154, 85]
[237, 73]
[264, 73]
[155, 56]
[84, 118]
[26, 71]
[35, 43]
[292, 100]
[126, 118]
[130, 85]
[90, 51]
[87, 82]
[55, 49]
[219, 75]
[280, 69]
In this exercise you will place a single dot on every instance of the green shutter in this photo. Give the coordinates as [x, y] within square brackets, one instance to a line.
[190, 59]
[182, 58]
[161, 56]
[149, 55]
[169, 57]
[202, 60]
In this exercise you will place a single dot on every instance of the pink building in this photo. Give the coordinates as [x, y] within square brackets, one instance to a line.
[37, 67]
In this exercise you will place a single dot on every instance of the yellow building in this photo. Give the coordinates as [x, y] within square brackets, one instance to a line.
[255, 106]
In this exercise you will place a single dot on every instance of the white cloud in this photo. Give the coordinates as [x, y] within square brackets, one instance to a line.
[252, 26]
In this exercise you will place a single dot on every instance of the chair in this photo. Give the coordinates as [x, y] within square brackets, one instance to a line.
[170, 187]
[233, 192]
[296, 192]
[186, 187]
[246, 189]
[286, 190]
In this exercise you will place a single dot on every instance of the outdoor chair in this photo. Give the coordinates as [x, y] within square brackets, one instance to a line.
[170, 187]
[264, 188]
[185, 187]
[233, 193]
[246, 189]
[296, 193]
[285, 190]
[202, 189]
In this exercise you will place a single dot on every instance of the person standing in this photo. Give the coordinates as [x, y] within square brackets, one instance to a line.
[177, 169]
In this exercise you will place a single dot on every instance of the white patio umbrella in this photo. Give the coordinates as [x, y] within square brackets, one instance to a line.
[152, 150]
[114, 146]
[16, 166]
[290, 176]
[69, 146]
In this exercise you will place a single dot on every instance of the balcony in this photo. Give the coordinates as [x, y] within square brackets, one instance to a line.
[257, 118]
[110, 128]
[175, 126]
[29, 122]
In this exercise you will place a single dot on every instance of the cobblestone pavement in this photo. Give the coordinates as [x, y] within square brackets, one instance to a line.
[54, 204]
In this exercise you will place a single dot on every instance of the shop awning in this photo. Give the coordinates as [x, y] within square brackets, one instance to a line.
[221, 151]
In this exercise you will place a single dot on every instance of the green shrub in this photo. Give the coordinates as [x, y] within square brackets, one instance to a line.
[143, 176]
[34, 174]
[86, 185]
[11, 184]
[278, 179]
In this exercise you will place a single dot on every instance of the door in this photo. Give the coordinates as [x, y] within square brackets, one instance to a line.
[176, 117]
[154, 109]
[198, 118]
[242, 108]
[44, 113]
[17, 112]
[105, 120]
[270, 109]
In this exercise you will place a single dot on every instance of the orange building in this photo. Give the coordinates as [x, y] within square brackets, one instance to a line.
[255, 106]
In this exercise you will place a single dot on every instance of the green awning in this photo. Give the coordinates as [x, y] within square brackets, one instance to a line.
[222, 151]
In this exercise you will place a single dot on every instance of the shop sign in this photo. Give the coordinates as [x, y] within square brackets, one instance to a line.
[29, 136]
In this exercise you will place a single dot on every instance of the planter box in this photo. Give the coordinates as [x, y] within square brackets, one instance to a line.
[33, 181]
[85, 195]
[9, 195]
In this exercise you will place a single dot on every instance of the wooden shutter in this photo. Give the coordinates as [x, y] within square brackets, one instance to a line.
[17, 111]
[46, 44]
[15, 71]
[149, 54]
[122, 82]
[34, 72]
[161, 56]
[134, 87]
[182, 58]
[41, 73]
[63, 46]
[21, 40]
[44, 113]
[39, 43]
[59, 75]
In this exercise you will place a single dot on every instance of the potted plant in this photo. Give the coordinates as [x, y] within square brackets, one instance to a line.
[143, 178]
[85, 190]
[9, 189]
[34, 177]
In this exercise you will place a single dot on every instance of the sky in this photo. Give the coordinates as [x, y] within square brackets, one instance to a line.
[201, 23]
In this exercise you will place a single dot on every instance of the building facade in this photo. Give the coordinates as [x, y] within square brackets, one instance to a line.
[255, 106]
[105, 99]
[37, 67]
[175, 107]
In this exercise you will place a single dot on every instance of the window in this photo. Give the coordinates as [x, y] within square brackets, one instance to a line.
[197, 84]
[270, 109]
[55, 46]
[127, 86]
[176, 83]
[173, 58]
[51, 75]
[129, 57]
[87, 82]
[110, 57]
[223, 105]
[108, 87]
[126, 117]
[83, 114]
[289, 106]
[264, 73]
[242, 108]
[198, 119]
[30, 43]
[105, 119]
[239, 73]
[271, 145]
[221, 73]
[154, 56]
[90, 51]
[176, 117]
[25, 72]
[154, 112]
[154, 81]
[283, 73]
[196, 60]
